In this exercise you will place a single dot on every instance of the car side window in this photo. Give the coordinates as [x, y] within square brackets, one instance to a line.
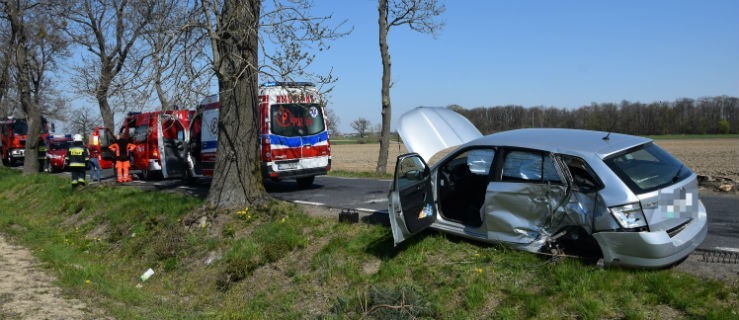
[410, 171]
[529, 166]
[583, 177]
[140, 133]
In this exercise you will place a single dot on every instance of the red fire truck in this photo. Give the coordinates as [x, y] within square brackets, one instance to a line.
[57, 148]
[160, 138]
[13, 134]
[294, 137]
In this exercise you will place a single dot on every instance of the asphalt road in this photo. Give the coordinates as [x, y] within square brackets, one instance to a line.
[370, 196]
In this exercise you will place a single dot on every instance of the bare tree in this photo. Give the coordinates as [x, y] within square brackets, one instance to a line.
[419, 16]
[176, 65]
[109, 30]
[233, 28]
[83, 120]
[361, 126]
[333, 122]
[46, 47]
[5, 54]
[15, 12]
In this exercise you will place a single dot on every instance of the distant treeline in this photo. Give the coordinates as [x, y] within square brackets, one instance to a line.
[710, 115]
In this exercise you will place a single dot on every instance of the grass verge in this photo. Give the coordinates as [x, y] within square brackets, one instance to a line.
[277, 262]
[359, 174]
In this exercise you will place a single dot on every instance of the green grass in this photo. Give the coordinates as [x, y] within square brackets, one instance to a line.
[275, 262]
[359, 174]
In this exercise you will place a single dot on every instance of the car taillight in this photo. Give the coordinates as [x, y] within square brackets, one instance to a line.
[266, 150]
[155, 153]
[629, 216]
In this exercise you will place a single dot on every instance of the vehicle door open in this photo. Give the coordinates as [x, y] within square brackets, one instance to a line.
[412, 207]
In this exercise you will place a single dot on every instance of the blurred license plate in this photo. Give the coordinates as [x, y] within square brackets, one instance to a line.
[287, 166]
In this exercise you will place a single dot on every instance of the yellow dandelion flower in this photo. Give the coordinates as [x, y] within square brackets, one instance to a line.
[88, 281]
[479, 270]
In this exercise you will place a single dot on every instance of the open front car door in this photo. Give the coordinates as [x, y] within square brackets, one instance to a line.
[412, 206]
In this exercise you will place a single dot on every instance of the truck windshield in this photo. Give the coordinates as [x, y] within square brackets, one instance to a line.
[20, 127]
[647, 168]
[293, 120]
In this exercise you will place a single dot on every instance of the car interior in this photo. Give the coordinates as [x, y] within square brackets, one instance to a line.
[462, 184]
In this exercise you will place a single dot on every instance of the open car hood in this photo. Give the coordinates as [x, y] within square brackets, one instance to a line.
[428, 130]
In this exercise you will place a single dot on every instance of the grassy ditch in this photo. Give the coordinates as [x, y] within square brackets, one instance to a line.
[360, 174]
[278, 262]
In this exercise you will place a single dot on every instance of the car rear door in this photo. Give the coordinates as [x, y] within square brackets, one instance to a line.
[411, 207]
[171, 139]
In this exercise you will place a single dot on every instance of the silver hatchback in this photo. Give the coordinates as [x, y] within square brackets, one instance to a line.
[533, 188]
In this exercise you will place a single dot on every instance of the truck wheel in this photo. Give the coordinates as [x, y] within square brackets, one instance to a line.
[305, 181]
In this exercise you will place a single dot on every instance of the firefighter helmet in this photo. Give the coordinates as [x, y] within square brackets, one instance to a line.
[77, 138]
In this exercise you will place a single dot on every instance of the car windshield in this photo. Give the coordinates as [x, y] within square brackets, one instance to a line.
[647, 168]
[292, 120]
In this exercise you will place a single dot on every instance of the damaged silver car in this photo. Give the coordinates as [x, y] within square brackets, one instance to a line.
[531, 188]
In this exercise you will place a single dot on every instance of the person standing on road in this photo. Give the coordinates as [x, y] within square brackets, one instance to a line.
[78, 158]
[122, 150]
[94, 169]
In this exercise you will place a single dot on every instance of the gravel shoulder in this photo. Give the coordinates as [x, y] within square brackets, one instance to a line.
[28, 292]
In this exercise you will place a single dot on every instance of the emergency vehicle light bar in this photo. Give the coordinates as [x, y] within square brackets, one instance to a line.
[288, 84]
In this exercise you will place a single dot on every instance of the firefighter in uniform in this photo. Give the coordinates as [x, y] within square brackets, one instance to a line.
[42, 162]
[78, 158]
[122, 150]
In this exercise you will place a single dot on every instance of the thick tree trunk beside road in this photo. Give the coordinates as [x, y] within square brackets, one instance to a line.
[237, 179]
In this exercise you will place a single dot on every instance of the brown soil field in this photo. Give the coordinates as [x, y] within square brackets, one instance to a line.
[707, 157]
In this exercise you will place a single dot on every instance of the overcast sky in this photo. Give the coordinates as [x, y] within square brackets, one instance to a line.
[537, 53]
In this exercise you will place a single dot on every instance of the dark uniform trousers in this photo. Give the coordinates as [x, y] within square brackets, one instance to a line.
[78, 158]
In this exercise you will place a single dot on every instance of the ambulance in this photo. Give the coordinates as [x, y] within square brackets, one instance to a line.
[160, 138]
[293, 133]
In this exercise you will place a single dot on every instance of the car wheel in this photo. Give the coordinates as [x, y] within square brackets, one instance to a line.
[305, 181]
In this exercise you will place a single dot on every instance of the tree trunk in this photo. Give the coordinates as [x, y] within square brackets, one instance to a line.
[102, 97]
[237, 179]
[386, 111]
[15, 13]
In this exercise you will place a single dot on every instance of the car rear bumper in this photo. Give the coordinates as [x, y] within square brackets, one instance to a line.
[267, 173]
[653, 249]
[300, 168]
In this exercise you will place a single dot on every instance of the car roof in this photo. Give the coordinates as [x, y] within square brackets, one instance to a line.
[558, 140]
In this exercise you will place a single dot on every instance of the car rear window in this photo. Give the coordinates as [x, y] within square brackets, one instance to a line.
[647, 168]
[59, 145]
[291, 120]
